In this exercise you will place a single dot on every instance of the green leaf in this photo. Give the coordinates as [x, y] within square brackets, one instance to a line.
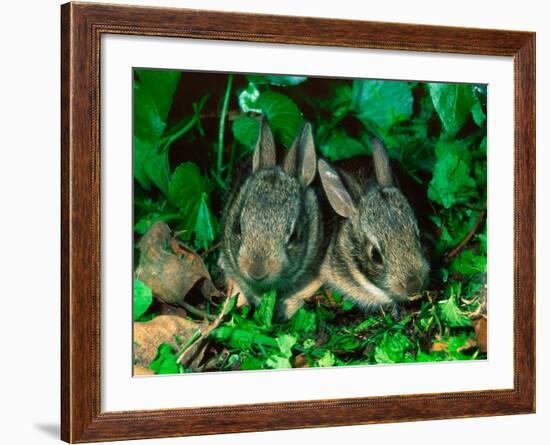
[187, 190]
[482, 237]
[455, 228]
[245, 130]
[150, 165]
[241, 338]
[282, 81]
[251, 363]
[456, 343]
[453, 103]
[343, 342]
[449, 310]
[303, 322]
[348, 305]
[341, 146]
[456, 147]
[248, 99]
[468, 263]
[286, 342]
[477, 113]
[384, 103]
[367, 324]
[204, 225]
[392, 348]
[148, 124]
[145, 224]
[143, 297]
[328, 359]
[153, 94]
[161, 85]
[264, 313]
[283, 115]
[165, 361]
[451, 183]
[277, 362]
[435, 356]
[186, 186]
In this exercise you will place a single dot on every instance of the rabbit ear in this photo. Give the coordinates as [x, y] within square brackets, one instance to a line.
[264, 153]
[337, 194]
[381, 164]
[301, 159]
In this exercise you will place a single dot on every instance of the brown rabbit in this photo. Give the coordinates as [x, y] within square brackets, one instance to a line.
[272, 229]
[374, 257]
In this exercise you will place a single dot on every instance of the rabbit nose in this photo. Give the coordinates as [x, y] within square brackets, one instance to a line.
[257, 271]
[414, 284]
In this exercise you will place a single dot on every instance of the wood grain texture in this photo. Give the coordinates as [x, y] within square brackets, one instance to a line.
[82, 26]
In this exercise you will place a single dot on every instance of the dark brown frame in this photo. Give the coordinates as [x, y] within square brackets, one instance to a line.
[81, 27]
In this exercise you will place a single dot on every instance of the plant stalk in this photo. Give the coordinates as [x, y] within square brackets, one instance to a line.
[223, 115]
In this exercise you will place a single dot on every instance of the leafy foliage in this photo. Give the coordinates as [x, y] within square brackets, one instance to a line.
[165, 362]
[143, 297]
[453, 103]
[382, 103]
[193, 133]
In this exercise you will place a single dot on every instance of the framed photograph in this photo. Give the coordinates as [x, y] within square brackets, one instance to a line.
[275, 222]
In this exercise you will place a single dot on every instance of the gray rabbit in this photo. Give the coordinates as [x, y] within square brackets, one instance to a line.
[272, 229]
[374, 257]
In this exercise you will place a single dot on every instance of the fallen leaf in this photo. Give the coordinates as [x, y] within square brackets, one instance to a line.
[162, 329]
[442, 345]
[439, 345]
[141, 370]
[301, 361]
[470, 343]
[480, 327]
[194, 349]
[170, 268]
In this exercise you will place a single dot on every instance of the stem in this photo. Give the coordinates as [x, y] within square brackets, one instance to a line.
[198, 312]
[169, 139]
[222, 122]
[176, 132]
[231, 163]
[468, 237]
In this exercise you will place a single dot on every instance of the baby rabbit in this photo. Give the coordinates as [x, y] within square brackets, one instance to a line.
[374, 257]
[272, 229]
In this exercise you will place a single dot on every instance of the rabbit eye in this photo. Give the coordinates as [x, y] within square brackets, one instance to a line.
[376, 256]
[293, 238]
[237, 227]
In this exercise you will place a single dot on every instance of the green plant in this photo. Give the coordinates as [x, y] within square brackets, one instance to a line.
[192, 135]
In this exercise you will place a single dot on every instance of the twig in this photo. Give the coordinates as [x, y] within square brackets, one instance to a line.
[231, 114]
[191, 348]
[197, 312]
[222, 123]
[211, 249]
[467, 238]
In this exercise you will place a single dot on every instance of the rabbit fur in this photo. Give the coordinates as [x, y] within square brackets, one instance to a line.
[272, 229]
[374, 256]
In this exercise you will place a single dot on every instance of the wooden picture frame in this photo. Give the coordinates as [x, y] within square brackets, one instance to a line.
[82, 26]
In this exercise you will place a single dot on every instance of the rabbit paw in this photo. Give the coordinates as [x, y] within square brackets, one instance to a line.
[287, 308]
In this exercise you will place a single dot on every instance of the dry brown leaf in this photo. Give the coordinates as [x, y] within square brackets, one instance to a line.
[162, 329]
[141, 370]
[171, 269]
[442, 345]
[438, 345]
[301, 361]
[470, 343]
[480, 327]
